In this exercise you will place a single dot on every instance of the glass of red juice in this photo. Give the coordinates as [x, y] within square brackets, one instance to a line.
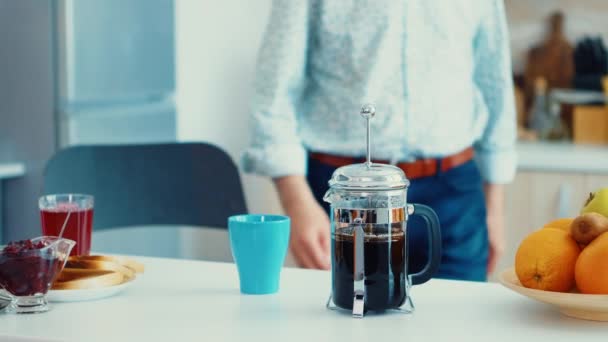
[77, 209]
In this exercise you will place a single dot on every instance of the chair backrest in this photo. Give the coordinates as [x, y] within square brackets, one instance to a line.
[190, 184]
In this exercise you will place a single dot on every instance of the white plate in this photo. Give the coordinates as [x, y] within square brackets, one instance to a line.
[577, 305]
[86, 294]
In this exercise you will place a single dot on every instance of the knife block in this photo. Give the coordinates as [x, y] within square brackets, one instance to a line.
[590, 123]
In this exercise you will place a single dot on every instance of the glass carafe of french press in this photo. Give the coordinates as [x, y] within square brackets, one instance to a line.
[369, 212]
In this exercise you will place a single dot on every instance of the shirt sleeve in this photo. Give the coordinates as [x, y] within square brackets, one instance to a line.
[495, 151]
[276, 148]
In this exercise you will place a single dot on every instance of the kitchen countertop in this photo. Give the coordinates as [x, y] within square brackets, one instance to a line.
[562, 157]
[11, 170]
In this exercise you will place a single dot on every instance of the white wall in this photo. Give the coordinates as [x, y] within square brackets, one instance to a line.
[217, 43]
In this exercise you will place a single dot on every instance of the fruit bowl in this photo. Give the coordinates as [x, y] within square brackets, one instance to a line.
[577, 305]
[29, 267]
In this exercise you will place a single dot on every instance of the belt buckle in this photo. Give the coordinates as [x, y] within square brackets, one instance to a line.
[432, 166]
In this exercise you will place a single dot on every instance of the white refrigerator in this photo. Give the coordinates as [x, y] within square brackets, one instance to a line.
[115, 74]
[115, 68]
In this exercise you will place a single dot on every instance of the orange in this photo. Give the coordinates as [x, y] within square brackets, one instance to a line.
[592, 267]
[545, 260]
[562, 223]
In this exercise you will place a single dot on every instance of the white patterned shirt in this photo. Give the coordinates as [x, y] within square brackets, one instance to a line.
[438, 72]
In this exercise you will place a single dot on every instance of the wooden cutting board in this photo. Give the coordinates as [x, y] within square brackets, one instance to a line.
[551, 59]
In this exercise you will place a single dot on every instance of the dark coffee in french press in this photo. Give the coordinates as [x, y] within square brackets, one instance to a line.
[384, 265]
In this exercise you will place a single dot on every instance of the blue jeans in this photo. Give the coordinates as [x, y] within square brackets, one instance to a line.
[458, 199]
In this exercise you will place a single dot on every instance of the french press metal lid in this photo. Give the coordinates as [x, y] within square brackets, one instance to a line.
[369, 176]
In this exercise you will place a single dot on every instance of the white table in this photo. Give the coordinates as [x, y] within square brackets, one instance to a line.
[185, 300]
[7, 171]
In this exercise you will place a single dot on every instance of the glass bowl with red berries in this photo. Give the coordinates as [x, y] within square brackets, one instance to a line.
[28, 269]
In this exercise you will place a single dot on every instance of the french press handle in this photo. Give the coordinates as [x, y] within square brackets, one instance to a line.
[434, 230]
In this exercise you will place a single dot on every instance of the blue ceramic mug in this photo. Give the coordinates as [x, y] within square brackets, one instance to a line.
[259, 246]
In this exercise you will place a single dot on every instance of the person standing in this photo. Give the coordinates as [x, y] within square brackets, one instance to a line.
[439, 74]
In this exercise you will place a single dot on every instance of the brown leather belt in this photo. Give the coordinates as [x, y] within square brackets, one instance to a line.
[416, 169]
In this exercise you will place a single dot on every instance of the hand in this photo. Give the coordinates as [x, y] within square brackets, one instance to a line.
[496, 237]
[495, 221]
[309, 238]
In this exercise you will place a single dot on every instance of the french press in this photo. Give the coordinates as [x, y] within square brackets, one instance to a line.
[369, 213]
